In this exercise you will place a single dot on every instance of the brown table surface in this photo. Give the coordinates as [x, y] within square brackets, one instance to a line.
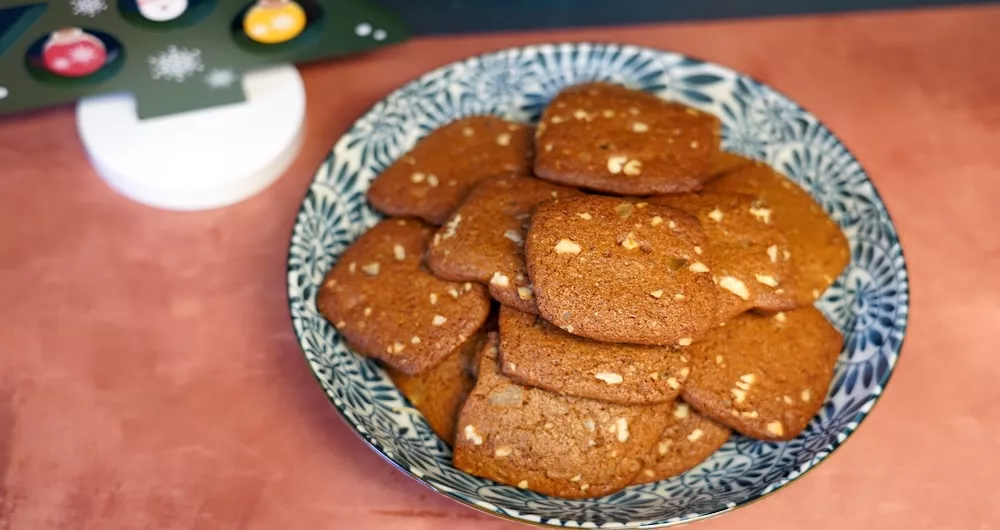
[149, 376]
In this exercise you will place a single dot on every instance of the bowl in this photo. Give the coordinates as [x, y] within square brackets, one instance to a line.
[868, 303]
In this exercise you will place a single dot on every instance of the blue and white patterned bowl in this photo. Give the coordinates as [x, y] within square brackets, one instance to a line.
[869, 303]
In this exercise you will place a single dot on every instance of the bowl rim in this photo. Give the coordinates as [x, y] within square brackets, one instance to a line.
[859, 417]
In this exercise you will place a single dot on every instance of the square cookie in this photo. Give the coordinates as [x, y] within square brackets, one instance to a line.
[533, 352]
[616, 270]
[611, 139]
[765, 376]
[379, 298]
[433, 178]
[816, 244]
[556, 445]
[748, 253]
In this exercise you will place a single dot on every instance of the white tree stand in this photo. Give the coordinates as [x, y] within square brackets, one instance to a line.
[201, 159]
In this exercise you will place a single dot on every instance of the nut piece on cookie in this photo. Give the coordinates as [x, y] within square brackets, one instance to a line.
[390, 309]
[816, 245]
[616, 270]
[433, 178]
[608, 138]
[687, 440]
[764, 375]
[536, 353]
[483, 241]
[438, 393]
[748, 254]
[556, 445]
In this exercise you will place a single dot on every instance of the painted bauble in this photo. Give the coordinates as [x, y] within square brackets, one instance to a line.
[274, 21]
[162, 10]
[72, 52]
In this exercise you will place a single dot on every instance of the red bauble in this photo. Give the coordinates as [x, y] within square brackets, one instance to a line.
[73, 52]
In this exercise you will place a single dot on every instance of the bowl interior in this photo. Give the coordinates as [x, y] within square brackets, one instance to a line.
[868, 303]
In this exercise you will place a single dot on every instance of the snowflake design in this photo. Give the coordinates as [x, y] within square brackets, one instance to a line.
[88, 8]
[220, 78]
[176, 64]
[82, 54]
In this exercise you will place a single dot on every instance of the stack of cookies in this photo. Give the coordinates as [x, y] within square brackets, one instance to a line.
[596, 303]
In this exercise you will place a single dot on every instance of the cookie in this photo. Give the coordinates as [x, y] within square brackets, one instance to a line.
[615, 270]
[484, 239]
[438, 393]
[687, 440]
[611, 139]
[765, 376]
[431, 180]
[536, 353]
[816, 244]
[724, 162]
[556, 445]
[491, 330]
[748, 254]
[379, 298]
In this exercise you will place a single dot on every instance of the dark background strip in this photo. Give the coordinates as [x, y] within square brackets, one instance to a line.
[430, 17]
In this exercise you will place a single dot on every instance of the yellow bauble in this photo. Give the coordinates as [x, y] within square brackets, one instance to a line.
[274, 21]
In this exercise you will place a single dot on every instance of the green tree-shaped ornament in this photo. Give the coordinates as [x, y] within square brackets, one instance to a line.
[173, 55]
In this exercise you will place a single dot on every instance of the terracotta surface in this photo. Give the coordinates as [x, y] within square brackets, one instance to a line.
[149, 377]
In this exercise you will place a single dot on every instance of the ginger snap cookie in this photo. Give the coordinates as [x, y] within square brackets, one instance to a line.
[816, 244]
[556, 445]
[439, 392]
[381, 300]
[617, 270]
[687, 440]
[765, 376]
[433, 178]
[483, 241]
[748, 253]
[608, 138]
[536, 353]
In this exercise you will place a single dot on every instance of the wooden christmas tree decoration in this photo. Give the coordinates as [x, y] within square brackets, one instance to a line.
[173, 55]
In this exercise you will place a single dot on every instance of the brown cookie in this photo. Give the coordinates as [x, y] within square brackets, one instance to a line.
[724, 162]
[556, 445]
[438, 393]
[817, 246]
[431, 180]
[387, 307]
[484, 239]
[765, 376]
[491, 329]
[609, 138]
[536, 353]
[688, 439]
[748, 254]
[615, 270]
